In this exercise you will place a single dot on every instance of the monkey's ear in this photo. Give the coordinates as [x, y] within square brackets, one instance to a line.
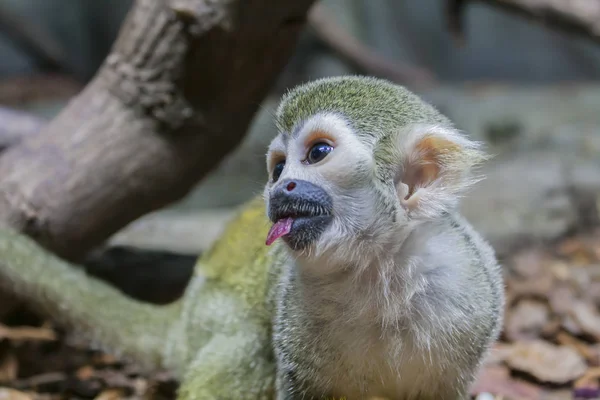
[436, 168]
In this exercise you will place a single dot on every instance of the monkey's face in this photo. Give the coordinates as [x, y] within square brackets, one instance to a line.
[358, 163]
[320, 191]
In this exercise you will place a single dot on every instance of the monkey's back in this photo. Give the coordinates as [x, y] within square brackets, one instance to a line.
[226, 314]
[241, 264]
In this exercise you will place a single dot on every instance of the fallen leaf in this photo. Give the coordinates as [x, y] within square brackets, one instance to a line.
[582, 278]
[560, 270]
[589, 379]
[527, 320]
[105, 359]
[111, 394]
[539, 286]
[561, 299]
[593, 292]
[594, 359]
[547, 362]
[570, 246]
[586, 351]
[498, 354]
[560, 394]
[577, 250]
[551, 328]
[587, 317]
[497, 381]
[12, 394]
[39, 380]
[9, 366]
[529, 263]
[571, 325]
[85, 372]
[26, 333]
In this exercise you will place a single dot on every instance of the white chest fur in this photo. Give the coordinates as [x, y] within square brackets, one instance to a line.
[371, 358]
[377, 334]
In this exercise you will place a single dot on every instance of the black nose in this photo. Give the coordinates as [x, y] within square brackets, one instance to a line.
[296, 197]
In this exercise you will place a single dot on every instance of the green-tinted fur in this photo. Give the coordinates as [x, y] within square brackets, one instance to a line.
[217, 338]
[372, 106]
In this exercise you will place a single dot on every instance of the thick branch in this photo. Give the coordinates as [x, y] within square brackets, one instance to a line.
[175, 95]
[581, 17]
[358, 53]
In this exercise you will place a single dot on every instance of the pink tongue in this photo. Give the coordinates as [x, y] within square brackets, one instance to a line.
[279, 229]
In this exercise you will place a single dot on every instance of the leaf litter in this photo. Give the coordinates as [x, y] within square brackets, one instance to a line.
[550, 345]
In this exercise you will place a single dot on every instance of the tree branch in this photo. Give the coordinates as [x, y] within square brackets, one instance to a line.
[175, 95]
[359, 54]
[578, 17]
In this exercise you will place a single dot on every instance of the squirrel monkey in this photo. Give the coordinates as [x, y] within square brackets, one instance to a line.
[373, 285]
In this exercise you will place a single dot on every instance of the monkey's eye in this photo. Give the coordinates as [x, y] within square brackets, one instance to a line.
[278, 170]
[318, 152]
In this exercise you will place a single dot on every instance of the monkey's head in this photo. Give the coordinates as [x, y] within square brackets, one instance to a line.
[356, 162]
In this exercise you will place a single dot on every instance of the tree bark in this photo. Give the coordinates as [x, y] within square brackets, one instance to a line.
[175, 95]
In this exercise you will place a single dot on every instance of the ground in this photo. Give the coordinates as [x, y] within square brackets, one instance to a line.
[549, 349]
[38, 361]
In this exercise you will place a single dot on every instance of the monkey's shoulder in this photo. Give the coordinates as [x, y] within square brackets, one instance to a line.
[239, 260]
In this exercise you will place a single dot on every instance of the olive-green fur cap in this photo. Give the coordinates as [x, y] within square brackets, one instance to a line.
[374, 107]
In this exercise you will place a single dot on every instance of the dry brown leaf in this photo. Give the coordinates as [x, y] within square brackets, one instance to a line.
[560, 394]
[570, 246]
[497, 381]
[105, 359]
[547, 362]
[571, 325]
[589, 379]
[9, 366]
[498, 354]
[111, 394]
[142, 386]
[581, 278]
[578, 251]
[551, 328]
[85, 372]
[594, 359]
[526, 320]
[529, 263]
[12, 394]
[560, 270]
[586, 351]
[26, 333]
[561, 299]
[587, 317]
[42, 379]
[593, 292]
[540, 286]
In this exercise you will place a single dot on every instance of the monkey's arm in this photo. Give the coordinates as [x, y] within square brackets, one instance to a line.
[105, 316]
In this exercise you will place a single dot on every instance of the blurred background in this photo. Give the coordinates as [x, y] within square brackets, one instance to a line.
[530, 92]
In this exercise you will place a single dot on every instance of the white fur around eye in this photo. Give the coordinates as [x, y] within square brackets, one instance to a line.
[339, 166]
